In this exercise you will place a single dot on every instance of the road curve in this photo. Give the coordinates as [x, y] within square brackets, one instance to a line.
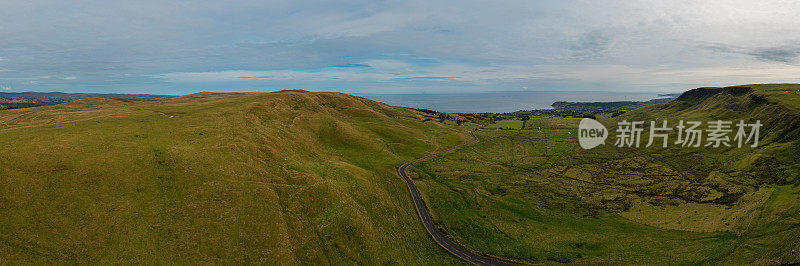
[426, 219]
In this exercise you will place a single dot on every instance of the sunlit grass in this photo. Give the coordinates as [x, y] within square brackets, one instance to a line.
[289, 177]
[534, 196]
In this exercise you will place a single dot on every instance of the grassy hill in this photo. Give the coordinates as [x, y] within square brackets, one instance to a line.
[773, 162]
[291, 177]
[537, 197]
[310, 178]
[14, 100]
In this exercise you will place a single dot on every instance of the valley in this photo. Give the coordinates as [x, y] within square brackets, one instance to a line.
[532, 195]
[311, 178]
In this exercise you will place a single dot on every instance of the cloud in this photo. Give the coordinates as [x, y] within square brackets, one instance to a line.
[351, 65]
[780, 54]
[3, 88]
[590, 45]
[150, 46]
[784, 55]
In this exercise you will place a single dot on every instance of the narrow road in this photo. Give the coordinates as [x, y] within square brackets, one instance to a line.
[426, 219]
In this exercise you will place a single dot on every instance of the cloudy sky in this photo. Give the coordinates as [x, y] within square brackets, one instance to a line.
[176, 47]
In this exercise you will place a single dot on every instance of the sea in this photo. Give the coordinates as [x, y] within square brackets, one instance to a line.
[502, 102]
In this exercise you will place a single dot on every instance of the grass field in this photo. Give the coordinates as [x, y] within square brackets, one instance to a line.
[294, 177]
[537, 197]
[506, 124]
[290, 177]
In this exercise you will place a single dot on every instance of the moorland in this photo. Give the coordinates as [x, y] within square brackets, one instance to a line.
[311, 178]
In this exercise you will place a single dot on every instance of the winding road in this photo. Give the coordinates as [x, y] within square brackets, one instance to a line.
[440, 238]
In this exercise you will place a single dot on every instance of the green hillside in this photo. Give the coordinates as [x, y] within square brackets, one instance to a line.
[538, 197]
[295, 177]
[777, 107]
[290, 177]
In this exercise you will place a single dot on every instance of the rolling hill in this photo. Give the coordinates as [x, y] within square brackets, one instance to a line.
[291, 177]
[535, 196]
[295, 177]
[14, 100]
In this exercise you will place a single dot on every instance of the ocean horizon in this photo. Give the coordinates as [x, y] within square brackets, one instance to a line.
[501, 102]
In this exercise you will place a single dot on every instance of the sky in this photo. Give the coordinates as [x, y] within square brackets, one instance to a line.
[182, 47]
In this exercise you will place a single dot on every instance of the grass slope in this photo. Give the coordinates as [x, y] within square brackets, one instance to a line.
[537, 197]
[290, 177]
[506, 124]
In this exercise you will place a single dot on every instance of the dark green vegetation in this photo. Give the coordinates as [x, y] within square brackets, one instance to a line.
[23, 102]
[289, 177]
[492, 120]
[536, 196]
[607, 106]
[15, 100]
[563, 110]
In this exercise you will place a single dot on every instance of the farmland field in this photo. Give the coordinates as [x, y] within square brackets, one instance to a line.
[535, 196]
[506, 124]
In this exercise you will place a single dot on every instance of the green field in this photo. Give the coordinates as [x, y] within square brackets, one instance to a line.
[537, 197]
[506, 124]
[291, 177]
[294, 177]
